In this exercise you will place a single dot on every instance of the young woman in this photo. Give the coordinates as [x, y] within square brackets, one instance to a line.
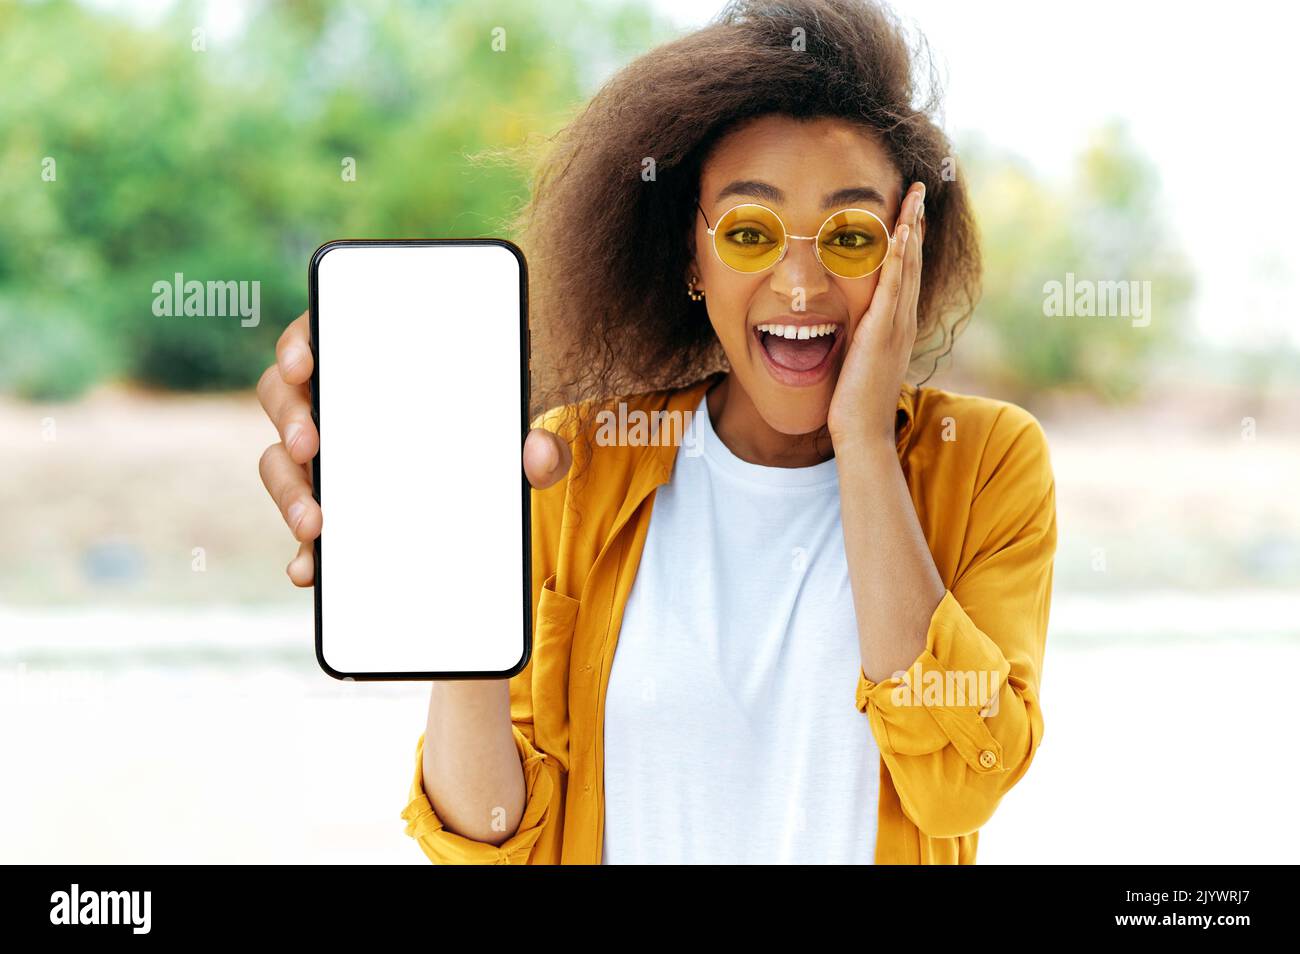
[811, 627]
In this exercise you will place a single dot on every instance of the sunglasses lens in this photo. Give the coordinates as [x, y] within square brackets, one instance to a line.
[853, 243]
[749, 238]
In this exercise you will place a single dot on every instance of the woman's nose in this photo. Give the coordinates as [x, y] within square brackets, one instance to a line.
[799, 269]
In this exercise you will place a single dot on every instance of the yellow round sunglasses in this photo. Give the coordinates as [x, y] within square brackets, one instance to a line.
[851, 243]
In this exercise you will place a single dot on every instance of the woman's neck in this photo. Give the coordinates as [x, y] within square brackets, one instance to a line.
[742, 429]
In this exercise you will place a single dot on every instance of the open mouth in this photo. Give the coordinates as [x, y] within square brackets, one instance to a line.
[798, 348]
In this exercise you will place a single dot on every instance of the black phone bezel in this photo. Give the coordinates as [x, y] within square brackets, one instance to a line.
[525, 487]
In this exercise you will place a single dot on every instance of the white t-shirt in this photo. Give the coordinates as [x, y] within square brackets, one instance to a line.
[731, 734]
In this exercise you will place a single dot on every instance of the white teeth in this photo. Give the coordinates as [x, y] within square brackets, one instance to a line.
[798, 331]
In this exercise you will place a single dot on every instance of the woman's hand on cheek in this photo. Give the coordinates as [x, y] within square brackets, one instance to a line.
[865, 401]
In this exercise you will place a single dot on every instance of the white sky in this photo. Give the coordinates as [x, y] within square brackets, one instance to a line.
[1207, 91]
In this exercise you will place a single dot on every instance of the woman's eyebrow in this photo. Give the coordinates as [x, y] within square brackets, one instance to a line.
[764, 190]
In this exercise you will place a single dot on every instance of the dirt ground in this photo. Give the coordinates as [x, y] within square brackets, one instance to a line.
[131, 498]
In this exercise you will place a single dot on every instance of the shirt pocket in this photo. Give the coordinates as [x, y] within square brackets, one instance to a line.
[553, 629]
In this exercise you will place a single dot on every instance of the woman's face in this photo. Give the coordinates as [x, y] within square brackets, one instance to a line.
[803, 171]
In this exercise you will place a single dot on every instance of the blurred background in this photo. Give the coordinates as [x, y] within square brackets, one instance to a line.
[159, 697]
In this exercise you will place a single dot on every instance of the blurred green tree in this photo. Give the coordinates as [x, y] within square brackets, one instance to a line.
[1104, 225]
[136, 151]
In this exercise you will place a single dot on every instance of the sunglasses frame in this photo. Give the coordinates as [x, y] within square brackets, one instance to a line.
[785, 246]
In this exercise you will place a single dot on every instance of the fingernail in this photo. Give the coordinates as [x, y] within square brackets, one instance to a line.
[920, 209]
[297, 510]
[291, 435]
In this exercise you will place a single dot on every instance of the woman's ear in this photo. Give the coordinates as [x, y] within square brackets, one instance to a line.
[693, 277]
[692, 265]
[692, 269]
[692, 251]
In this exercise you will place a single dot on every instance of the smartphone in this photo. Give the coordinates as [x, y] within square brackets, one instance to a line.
[420, 395]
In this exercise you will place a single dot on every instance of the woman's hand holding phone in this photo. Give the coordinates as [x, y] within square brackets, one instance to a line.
[284, 390]
[468, 720]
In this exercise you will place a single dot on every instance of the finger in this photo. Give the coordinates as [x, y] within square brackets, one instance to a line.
[287, 484]
[884, 301]
[547, 458]
[913, 312]
[920, 259]
[293, 351]
[302, 568]
[289, 409]
[911, 267]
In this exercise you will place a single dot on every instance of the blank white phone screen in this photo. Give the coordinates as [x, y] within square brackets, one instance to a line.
[420, 403]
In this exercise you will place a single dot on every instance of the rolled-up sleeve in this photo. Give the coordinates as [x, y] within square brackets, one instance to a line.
[960, 727]
[449, 848]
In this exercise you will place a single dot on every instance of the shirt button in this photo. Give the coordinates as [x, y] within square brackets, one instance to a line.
[988, 759]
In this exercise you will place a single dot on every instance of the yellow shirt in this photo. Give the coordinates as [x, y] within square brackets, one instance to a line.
[981, 482]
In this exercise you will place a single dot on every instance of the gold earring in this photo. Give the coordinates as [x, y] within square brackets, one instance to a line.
[691, 290]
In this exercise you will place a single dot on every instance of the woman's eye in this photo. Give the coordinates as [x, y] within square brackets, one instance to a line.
[851, 240]
[747, 236]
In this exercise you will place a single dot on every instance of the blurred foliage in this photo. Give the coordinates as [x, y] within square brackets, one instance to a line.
[1104, 225]
[225, 164]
